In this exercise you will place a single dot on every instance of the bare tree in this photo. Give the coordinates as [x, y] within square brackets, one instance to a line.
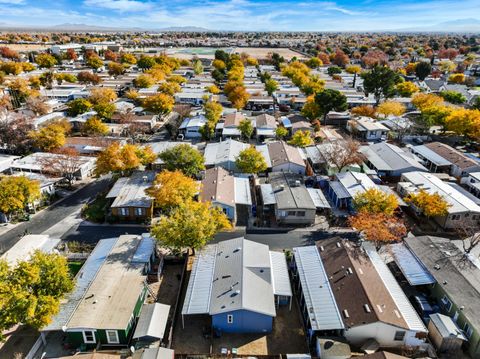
[14, 130]
[65, 162]
[38, 106]
[342, 153]
[468, 231]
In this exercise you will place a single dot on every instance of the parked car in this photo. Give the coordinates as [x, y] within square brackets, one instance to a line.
[423, 307]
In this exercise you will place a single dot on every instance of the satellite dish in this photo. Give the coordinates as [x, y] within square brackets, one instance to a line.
[132, 349]
[64, 328]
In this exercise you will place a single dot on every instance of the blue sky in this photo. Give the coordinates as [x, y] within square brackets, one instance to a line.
[269, 15]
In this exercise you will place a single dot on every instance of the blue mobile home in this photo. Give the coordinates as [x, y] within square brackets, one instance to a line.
[238, 283]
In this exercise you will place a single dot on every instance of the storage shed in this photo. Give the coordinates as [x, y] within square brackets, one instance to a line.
[444, 333]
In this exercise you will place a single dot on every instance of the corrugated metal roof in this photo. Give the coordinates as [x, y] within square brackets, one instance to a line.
[144, 250]
[446, 326]
[263, 149]
[408, 313]
[132, 193]
[117, 187]
[319, 299]
[83, 280]
[242, 191]
[280, 277]
[152, 321]
[197, 298]
[267, 194]
[24, 248]
[430, 155]
[339, 190]
[411, 267]
[157, 353]
[318, 198]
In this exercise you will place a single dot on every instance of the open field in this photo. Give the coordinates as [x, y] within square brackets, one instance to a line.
[263, 52]
[27, 47]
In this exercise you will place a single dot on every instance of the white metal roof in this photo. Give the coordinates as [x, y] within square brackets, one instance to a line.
[197, 298]
[408, 313]
[318, 198]
[152, 321]
[280, 278]
[430, 155]
[242, 191]
[411, 267]
[446, 326]
[24, 248]
[319, 299]
[267, 194]
[144, 250]
[459, 203]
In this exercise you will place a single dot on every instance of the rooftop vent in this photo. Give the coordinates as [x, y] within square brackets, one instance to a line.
[345, 313]
[322, 249]
[367, 308]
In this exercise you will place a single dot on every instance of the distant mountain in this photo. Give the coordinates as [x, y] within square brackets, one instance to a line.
[185, 29]
[458, 25]
[84, 27]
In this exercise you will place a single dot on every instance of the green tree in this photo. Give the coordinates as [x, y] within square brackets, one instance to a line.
[250, 161]
[190, 225]
[45, 60]
[380, 81]
[213, 111]
[185, 158]
[328, 100]
[453, 97]
[146, 62]
[271, 86]
[246, 128]
[78, 106]
[422, 70]
[334, 70]
[301, 139]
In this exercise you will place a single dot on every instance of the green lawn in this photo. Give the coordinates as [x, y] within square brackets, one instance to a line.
[74, 267]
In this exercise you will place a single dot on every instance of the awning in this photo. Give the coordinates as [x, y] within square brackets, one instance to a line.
[318, 198]
[411, 267]
[152, 321]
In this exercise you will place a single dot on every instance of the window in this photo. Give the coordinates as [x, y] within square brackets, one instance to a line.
[139, 211]
[447, 304]
[455, 217]
[399, 336]
[89, 337]
[112, 337]
[290, 213]
[229, 319]
[300, 213]
[467, 329]
[123, 211]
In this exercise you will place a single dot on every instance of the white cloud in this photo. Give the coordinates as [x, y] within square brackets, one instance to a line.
[119, 5]
[12, 2]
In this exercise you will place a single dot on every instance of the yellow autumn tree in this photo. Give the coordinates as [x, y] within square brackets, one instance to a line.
[464, 122]
[52, 136]
[378, 228]
[172, 188]
[190, 225]
[423, 101]
[116, 158]
[430, 204]
[301, 139]
[388, 108]
[407, 88]
[375, 201]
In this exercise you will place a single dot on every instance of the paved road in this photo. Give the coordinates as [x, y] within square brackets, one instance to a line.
[276, 239]
[53, 215]
[92, 233]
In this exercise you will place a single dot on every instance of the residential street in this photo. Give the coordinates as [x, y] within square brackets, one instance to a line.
[57, 219]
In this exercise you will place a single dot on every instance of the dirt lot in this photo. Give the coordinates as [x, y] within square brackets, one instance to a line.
[262, 52]
[26, 47]
[287, 324]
